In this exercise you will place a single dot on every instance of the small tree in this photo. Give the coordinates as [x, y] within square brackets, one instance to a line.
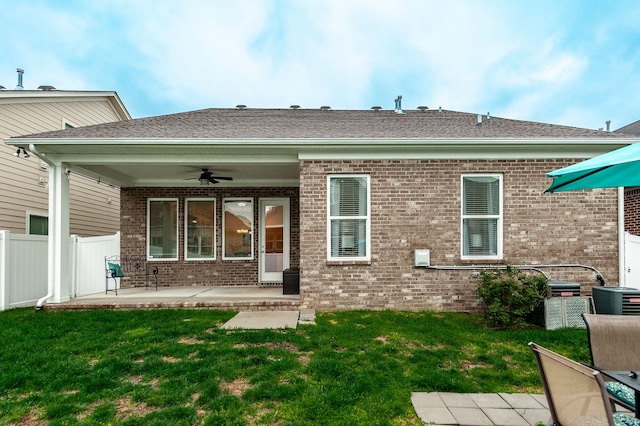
[509, 296]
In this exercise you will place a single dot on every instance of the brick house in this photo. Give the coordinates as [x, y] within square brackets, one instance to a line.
[347, 197]
[632, 195]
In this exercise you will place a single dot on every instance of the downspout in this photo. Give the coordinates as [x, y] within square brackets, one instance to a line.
[40, 303]
[622, 273]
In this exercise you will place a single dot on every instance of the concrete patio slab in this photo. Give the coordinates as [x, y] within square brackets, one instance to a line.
[263, 319]
[445, 408]
[237, 298]
[505, 417]
[470, 416]
[535, 415]
[521, 400]
[458, 400]
[489, 400]
[427, 400]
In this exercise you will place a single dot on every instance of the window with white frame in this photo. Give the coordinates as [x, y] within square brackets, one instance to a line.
[348, 229]
[162, 228]
[37, 223]
[200, 228]
[237, 225]
[482, 216]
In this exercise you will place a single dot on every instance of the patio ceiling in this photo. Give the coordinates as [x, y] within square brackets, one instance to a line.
[174, 163]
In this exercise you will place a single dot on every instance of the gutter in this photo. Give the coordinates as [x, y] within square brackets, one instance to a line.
[40, 303]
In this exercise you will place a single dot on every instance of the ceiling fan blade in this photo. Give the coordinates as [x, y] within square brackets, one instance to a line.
[222, 177]
[213, 180]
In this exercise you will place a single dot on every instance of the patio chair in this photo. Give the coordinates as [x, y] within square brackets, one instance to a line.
[614, 343]
[575, 392]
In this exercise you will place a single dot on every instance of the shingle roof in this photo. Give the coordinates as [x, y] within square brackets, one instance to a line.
[334, 124]
[630, 129]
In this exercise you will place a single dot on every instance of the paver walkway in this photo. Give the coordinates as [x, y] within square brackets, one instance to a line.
[480, 409]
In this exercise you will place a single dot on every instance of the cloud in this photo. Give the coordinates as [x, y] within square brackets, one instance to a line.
[532, 60]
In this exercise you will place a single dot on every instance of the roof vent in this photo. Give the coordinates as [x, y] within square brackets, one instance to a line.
[608, 123]
[241, 106]
[46, 88]
[325, 108]
[398, 102]
[488, 116]
[423, 108]
[20, 74]
[440, 110]
[376, 108]
[479, 120]
[295, 107]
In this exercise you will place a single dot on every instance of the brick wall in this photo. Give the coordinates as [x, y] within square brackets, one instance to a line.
[632, 211]
[200, 273]
[416, 205]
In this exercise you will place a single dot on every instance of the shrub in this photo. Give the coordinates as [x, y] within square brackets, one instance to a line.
[509, 295]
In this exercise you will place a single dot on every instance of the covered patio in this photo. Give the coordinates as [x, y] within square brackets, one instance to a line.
[253, 298]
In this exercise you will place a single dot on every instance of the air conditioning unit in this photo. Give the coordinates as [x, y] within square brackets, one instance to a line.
[560, 312]
[564, 288]
[616, 300]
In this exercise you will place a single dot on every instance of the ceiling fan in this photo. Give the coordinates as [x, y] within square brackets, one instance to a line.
[207, 177]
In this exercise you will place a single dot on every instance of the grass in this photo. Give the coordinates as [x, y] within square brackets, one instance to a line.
[178, 367]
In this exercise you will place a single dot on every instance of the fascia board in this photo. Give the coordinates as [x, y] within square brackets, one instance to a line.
[345, 142]
[318, 149]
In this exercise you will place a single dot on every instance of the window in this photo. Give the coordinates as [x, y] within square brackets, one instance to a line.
[162, 229]
[348, 232]
[237, 223]
[66, 124]
[482, 216]
[37, 224]
[200, 229]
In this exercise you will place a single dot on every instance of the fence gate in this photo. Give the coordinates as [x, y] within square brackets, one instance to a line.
[23, 266]
[89, 273]
[632, 260]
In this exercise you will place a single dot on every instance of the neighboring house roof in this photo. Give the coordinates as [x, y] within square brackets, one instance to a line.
[630, 129]
[321, 124]
[54, 95]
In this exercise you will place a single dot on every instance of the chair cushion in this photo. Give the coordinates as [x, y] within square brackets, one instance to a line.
[622, 392]
[115, 268]
[622, 419]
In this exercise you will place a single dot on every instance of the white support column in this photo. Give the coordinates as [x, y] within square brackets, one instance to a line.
[622, 273]
[59, 265]
[5, 237]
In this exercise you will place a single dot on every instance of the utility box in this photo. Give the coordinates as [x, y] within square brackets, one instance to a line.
[291, 281]
[422, 258]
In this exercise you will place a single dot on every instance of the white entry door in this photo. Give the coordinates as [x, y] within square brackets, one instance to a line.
[274, 239]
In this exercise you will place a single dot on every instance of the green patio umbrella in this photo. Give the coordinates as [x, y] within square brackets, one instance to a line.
[613, 169]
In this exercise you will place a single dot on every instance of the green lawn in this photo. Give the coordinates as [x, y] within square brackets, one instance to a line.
[178, 367]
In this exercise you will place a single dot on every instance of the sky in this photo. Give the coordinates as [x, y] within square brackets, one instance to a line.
[569, 62]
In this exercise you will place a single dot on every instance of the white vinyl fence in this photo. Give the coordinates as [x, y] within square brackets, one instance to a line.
[23, 266]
